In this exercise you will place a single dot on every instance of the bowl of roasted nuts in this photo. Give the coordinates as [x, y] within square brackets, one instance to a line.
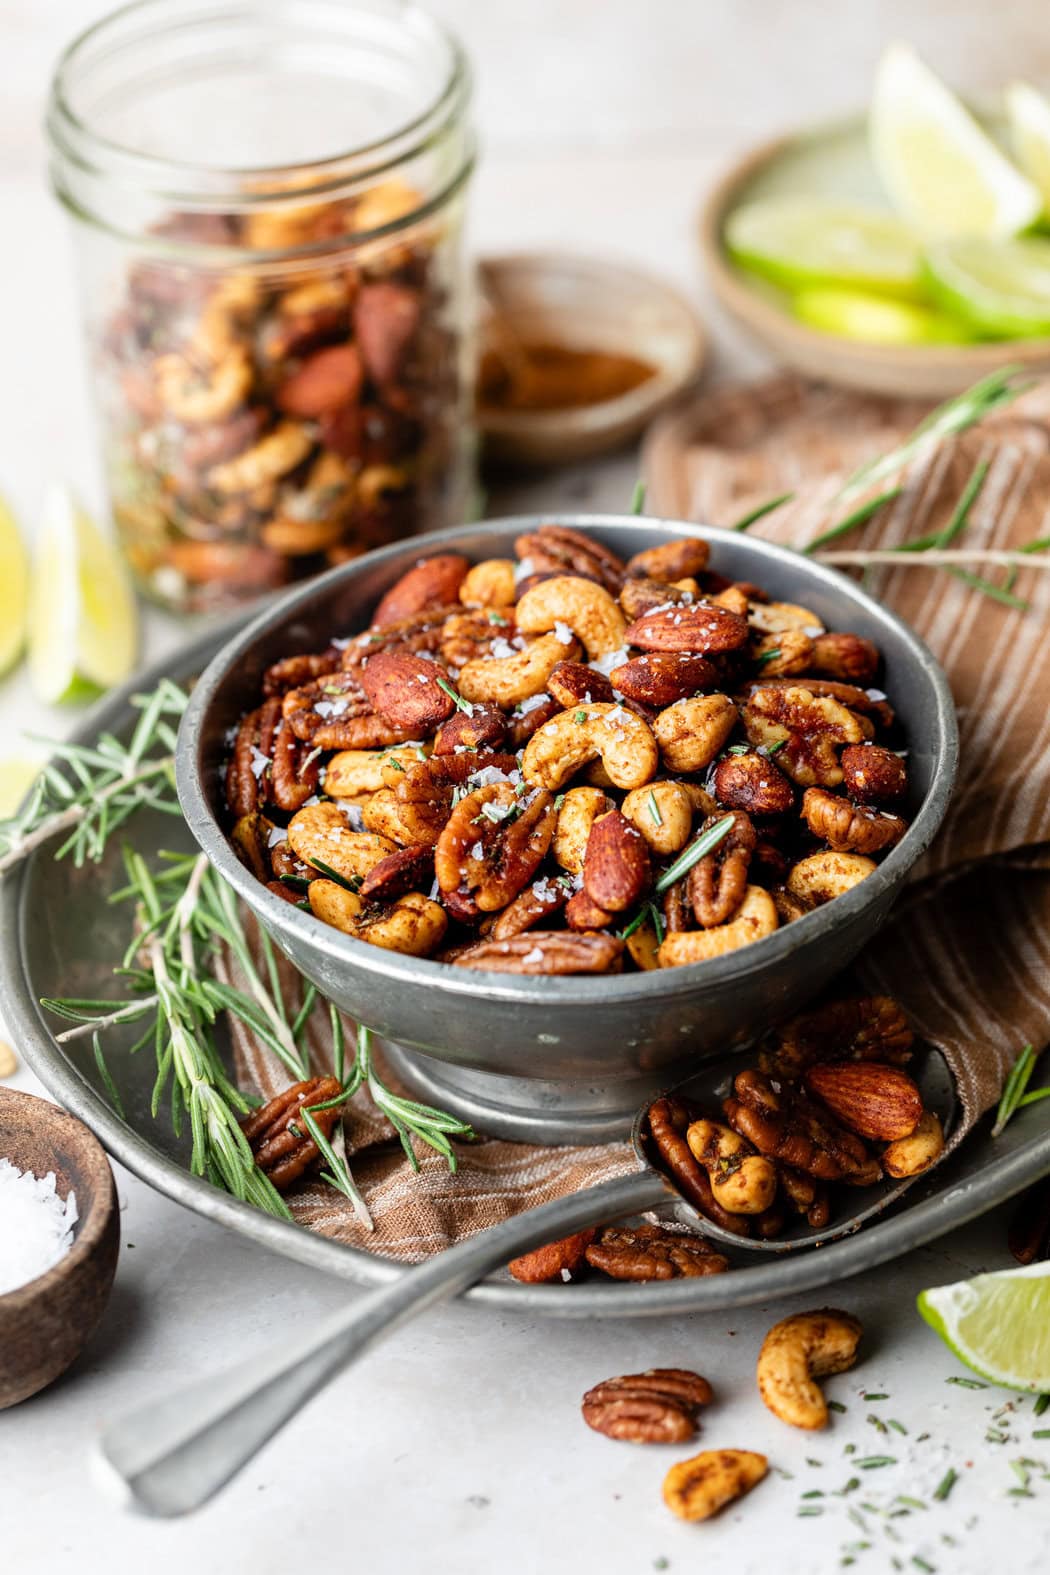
[559, 808]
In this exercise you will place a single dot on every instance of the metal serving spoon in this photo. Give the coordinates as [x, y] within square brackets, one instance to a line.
[176, 1452]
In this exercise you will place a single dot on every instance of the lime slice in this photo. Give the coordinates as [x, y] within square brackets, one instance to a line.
[1001, 287]
[14, 590]
[83, 624]
[1029, 114]
[874, 320]
[998, 1324]
[798, 241]
[16, 778]
[940, 170]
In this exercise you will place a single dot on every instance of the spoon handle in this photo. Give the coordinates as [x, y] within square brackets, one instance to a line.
[173, 1454]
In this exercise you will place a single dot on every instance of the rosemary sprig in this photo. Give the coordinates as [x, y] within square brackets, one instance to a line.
[408, 1117]
[1015, 1090]
[455, 697]
[747, 520]
[705, 843]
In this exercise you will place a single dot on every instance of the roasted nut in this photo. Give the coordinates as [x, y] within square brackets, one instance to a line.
[574, 683]
[321, 834]
[663, 813]
[558, 1260]
[294, 671]
[806, 727]
[872, 1100]
[822, 876]
[849, 828]
[279, 452]
[616, 867]
[781, 617]
[546, 952]
[489, 584]
[698, 1488]
[755, 918]
[795, 1352]
[508, 680]
[873, 775]
[542, 900]
[579, 809]
[325, 381]
[782, 655]
[195, 397]
[668, 1123]
[282, 1147]
[251, 760]
[742, 1181]
[482, 727]
[405, 690]
[412, 924]
[419, 632]
[639, 597]
[643, 947]
[528, 717]
[702, 627]
[672, 561]
[251, 843]
[862, 1028]
[717, 883]
[398, 873]
[567, 551]
[911, 1155]
[432, 582]
[752, 782]
[583, 913]
[649, 1252]
[386, 317]
[662, 677]
[848, 657]
[691, 733]
[493, 844]
[787, 1127]
[334, 713]
[622, 741]
[581, 606]
[660, 1406]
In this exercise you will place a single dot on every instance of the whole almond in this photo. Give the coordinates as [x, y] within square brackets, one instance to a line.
[616, 867]
[326, 381]
[662, 677]
[405, 691]
[872, 1100]
[433, 582]
[553, 1261]
[699, 627]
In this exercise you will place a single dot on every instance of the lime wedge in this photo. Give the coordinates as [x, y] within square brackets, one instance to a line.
[940, 170]
[17, 776]
[874, 320]
[83, 623]
[998, 1324]
[1001, 287]
[14, 590]
[1029, 114]
[798, 241]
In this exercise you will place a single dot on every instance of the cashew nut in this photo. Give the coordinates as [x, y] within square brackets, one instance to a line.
[755, 918]
[508, 680]
[381, 815]
[778, 617]
[561, 746]
[579, 810]
[489, 584]
[742, 1181]
[582, 605]
[413, 924]
[783, 655]
[822, 876]
[273, 456]
[354, 772]
[644, 948]
[796, 1351]
[914, 1153]
[663, 813]
[698, 1488]
[692, 732]
[196, 397]
[322, 834]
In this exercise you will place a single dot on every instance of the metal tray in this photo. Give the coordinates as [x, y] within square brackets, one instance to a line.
[58, 936]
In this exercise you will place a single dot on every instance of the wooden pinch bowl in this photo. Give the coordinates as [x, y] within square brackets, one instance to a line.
[45, 1324]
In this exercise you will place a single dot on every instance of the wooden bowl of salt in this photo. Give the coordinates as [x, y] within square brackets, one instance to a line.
[57, 1257]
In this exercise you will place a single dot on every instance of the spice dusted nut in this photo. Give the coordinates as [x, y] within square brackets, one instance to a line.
[660, 678]
[251, 759]
[698, 1488]
[847, 657]
[660, 1406]
[354, 773]
[272, 457]
[493, 844]
[873, 775]
[574, 683]
[752, 782]
[742, 1181]
[475, 632]
[850, 828]
[489, 583]
[798, 1350]
[872, 1100]
[579, 809]
[482, 727]
[643, 946]
[561, 549]
[430, 583]
[781, 617]
[294, 771]
[782, 655]
[691, 733]
[786, 1126]
[281, 1146]
[701, 627]
[195, 397]
[822, 876]
[412, 924]
[622, 741]
[508, 680]
[251, 843]
[399, 873]
[755, 918]
[321, 834]
[616, 868]
[672, 561]
[582, 606]
[911, 1155]
[669, 1120]
[861, 1028]
[405, 690]
[639, 597]
[553, 952]
[325, 381]
[717, 883]
[558, 1260]
[386, 319]
[583, 913]
[542, 900]
[650, 1252]
[663, 813]
[808, 728]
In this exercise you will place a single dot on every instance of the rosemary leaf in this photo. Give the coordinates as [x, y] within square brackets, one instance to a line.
[705, 843]
[638, 498]
[747, 520]
[858, 517]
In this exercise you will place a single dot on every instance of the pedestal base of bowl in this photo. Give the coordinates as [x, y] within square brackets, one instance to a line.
[526, 1109]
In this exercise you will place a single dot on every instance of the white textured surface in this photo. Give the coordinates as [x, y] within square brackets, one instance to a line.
[459, 1446]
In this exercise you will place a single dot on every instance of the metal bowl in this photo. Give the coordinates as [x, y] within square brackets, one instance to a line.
[566, 1059]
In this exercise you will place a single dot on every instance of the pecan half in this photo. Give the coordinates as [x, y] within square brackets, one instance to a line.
[718, 882]
[333, 712]
[562, 550]
[862, 1028]
[248, 771]
[669, 1120]
[701, 627]
[850, 828]
[786, 1126]
[650, 1252]
[419, 631]
[551, 952]
[282, 1146]
[660, 1406]
[400, 872]
[291, 672]
[555, 1261]
[405, 690]
[295, 771]
[662, 677]
[493, 843]
[541, 900]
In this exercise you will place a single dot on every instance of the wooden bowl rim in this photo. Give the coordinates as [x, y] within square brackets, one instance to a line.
[770, 323]
[92, 1224]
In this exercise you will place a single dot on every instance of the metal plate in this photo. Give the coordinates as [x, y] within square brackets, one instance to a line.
[58, 937]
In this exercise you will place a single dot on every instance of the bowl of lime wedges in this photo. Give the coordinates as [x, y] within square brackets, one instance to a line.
[905, 251]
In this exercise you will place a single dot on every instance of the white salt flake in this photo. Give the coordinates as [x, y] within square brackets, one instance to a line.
[277, 835]
[562, 632]
[535, 956]
[259, 762]
[36, 1226]
[531, 703]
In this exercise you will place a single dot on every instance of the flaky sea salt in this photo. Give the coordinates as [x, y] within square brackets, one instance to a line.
[36, 1227]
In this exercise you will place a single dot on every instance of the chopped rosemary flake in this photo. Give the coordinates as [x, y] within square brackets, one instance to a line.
[945, 1485]
[340, 880]
[768, 656]
[899, 1426]
[654, 809]
[966, 1383]
[1041, 1432]
[851, 1486]
[638, 498]
[705, 843]
[912, 1503]
[747, 520]
[873, 1462]
[738, 749]
[770, 751]
[836, 1405]
[921, 1564]
[1042, 1403]
[559, 801]
[580, 718]
[808, 1510]
[875, 1397]
[811, 1462]
[456, 698]
[876, 1421]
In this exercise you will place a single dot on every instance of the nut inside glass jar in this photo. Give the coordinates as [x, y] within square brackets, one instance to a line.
[281, 351]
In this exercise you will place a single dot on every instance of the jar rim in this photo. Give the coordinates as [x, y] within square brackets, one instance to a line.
[202, 187]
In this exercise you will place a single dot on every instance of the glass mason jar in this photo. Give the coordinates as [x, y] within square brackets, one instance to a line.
[268, 200]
